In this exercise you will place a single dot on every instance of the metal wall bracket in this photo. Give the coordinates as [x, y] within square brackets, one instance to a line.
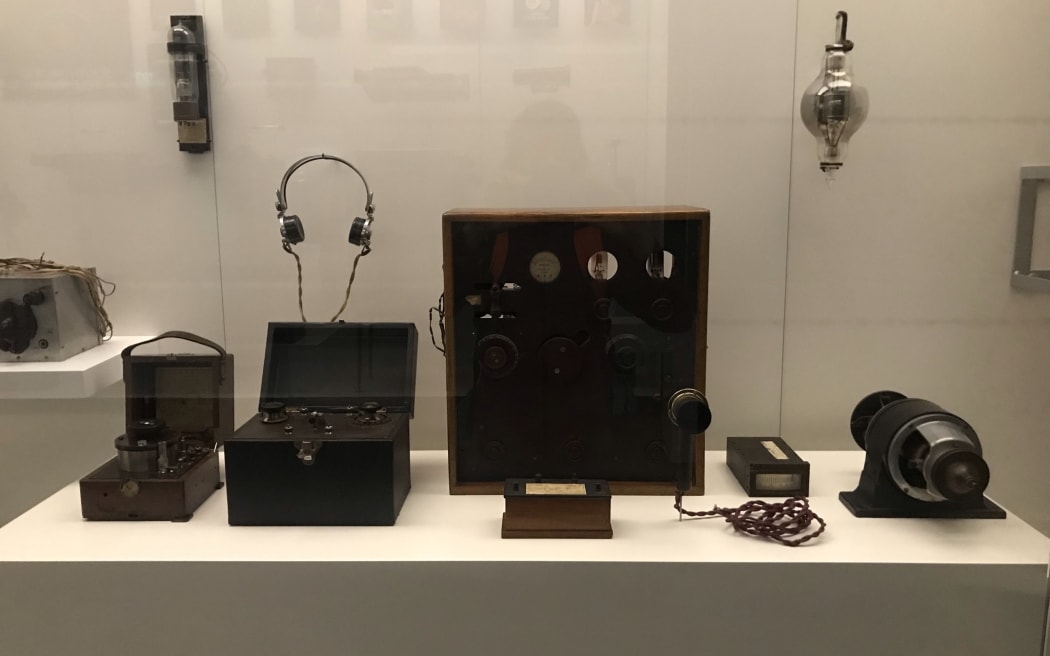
[1023, 276]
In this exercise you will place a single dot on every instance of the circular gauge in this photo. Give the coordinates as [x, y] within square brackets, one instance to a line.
[544, 266]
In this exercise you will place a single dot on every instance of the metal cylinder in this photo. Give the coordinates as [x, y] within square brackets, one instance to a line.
[146, 448]
[930, 454]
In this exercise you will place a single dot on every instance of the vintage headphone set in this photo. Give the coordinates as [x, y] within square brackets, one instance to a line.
[292, 231]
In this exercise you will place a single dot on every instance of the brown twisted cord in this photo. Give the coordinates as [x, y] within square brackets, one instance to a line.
[440, 309]
[779, 522]
[299, 269]
[96, 285]
[346, 297]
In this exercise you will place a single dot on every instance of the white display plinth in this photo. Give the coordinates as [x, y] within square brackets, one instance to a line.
[78, 377]
[443, 582]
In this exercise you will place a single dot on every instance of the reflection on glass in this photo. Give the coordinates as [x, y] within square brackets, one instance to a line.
[462, 16]
[535, 13]
[546, 163]
[389, 17]
[543, 80]
[247, 18]
[160, 11]
[412, 84]
[607, 12]
[38, 42]
[285, 75]
[317, 17]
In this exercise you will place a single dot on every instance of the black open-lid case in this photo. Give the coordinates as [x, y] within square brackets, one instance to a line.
[356, 474]
[341, 364]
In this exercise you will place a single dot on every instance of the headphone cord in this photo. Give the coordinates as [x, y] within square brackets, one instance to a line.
[299, 270]
[791, 522]
[440, 310]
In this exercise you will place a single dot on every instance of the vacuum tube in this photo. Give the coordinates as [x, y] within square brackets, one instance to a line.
[833, 106]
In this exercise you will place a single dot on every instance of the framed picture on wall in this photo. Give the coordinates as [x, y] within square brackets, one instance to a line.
[462, 16]
[601, 13]
[535, 13]
[246, 18]
[317, 17]
[389, 18]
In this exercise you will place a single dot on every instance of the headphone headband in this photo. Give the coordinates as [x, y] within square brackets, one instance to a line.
[282, 192]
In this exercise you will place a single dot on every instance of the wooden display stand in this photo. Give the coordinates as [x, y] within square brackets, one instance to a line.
[557, 509]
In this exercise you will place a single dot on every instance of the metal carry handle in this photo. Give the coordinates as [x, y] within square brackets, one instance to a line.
[176, 334]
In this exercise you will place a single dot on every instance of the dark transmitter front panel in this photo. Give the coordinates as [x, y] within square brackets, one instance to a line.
[567, 333]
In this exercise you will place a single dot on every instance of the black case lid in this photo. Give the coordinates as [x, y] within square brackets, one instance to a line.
[340, 364]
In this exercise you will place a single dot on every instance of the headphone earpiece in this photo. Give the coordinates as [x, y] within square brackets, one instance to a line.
[292, 229]
[360, 233]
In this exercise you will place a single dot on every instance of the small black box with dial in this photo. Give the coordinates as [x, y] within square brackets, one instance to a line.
[767, 467]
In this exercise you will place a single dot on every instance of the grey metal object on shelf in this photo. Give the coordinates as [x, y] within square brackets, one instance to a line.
[1024, 277]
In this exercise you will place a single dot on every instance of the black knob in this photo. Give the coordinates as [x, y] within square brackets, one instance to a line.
[370, 413]
[498, 355]
[273, 412]
[146, 429]
[625, 352]
[35, 297]
[18, 326]
[562, 359]
[662, 309]
[495, 357]
[602, 308]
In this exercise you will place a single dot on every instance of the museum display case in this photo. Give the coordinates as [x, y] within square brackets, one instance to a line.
[624, 249]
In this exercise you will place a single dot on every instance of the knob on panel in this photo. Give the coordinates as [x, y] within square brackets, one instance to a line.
[497, 355]
[624, 351]
[562, 359]
[18, 326]
[273, 412]
[370, 413]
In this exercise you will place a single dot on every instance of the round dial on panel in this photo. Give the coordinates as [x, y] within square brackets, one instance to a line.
[544, 266]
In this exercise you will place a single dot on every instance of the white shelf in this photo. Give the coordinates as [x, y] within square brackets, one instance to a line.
[436, 526]
[79, 377]
[441, 581]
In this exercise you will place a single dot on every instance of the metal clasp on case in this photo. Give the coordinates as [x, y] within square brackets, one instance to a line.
[307, 451]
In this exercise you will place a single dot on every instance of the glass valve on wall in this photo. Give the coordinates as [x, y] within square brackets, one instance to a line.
[190, 78]
[833, 106]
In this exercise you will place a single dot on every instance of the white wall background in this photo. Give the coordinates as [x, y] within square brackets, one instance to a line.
[896, 277]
